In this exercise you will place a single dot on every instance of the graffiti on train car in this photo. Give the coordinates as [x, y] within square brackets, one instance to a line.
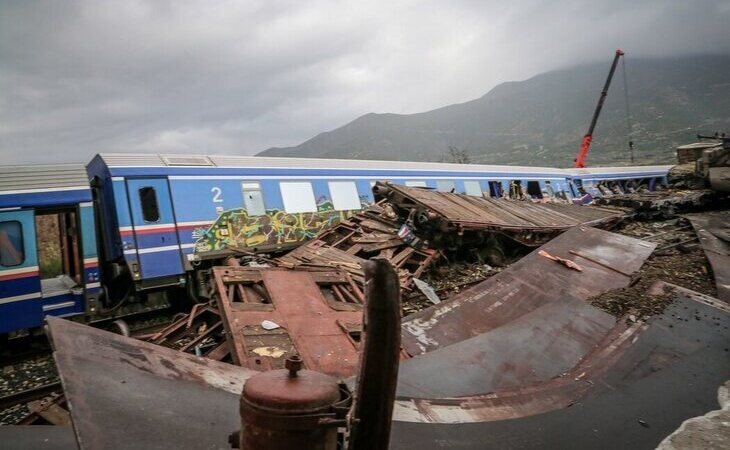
[236, 228]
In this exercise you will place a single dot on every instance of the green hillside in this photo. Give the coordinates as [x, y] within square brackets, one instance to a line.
[540, 121]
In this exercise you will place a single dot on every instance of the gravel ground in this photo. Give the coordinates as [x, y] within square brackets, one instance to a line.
[27, 374]
[678, 259]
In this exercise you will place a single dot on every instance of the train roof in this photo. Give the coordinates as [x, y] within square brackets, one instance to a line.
[128, 160]
[42, 178]
[43, 185]
[230, 161]
[593, 172]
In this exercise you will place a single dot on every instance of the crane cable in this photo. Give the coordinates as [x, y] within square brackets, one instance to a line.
[628, 111]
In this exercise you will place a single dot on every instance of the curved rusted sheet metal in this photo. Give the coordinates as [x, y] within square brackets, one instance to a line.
[608, 261]
[634, 388]
[124, 393]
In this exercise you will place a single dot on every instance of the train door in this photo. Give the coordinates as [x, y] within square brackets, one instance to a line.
[20, 286]
[60, 264]
[155, 233]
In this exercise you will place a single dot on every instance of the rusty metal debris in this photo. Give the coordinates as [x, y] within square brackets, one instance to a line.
[126, 393]
[51, 410]
[200, 333]
[534, 347]
[570, 264]
[370, 233]
[607, 259]
[522, 350]
[713, 230]
[632, 374]
[436, 213]
[303, 409]
[319, 313]
[292, 408]
[377, 380]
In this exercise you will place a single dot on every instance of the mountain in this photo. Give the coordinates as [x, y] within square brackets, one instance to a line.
[540, 121]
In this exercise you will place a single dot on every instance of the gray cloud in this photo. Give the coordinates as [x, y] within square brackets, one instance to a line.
[77, 78]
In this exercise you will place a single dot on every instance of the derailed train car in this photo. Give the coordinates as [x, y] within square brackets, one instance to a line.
[159, 221]
[48, 260]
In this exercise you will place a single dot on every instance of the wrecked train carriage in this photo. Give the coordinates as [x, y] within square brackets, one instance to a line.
[270, 314]
[453, 220]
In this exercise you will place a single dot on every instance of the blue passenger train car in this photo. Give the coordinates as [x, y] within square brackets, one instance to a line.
[48, 260]
[158, 221]
[165, 214]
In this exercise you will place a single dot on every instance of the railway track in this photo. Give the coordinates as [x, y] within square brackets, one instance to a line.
[28, 395]
[28, 373]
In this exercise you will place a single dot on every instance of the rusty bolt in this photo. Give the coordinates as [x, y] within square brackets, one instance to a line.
[294, 364]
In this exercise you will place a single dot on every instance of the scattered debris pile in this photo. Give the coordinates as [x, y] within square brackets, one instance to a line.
[660, 204]
[480, 343]
[447, 280]
[678, 259]
[372, 232]
[200, 333]
[704, 164]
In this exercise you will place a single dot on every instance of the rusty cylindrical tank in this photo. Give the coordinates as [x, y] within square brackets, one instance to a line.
[291, 408]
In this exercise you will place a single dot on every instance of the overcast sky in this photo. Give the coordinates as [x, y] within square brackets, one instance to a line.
[237, 77]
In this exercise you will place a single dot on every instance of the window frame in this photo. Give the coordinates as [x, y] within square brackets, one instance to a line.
[351, 184]
[22, 243]
[473, 183]
[253, 186]
[310, 190]
[143, 209]
[446, 186]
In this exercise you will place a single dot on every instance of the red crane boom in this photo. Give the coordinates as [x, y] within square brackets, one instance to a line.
[580, 159]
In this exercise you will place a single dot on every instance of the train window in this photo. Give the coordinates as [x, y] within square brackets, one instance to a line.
[445, 186]
[473, 188]
[515, 189]
[495, 189]
[148, 200]
[533, 189]
[298, 197]
[549, 189]
[344, 195]
[12, 252]
[415, 183]
[253, 199]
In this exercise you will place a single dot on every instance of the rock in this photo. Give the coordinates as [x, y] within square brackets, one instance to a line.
[711, 431]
